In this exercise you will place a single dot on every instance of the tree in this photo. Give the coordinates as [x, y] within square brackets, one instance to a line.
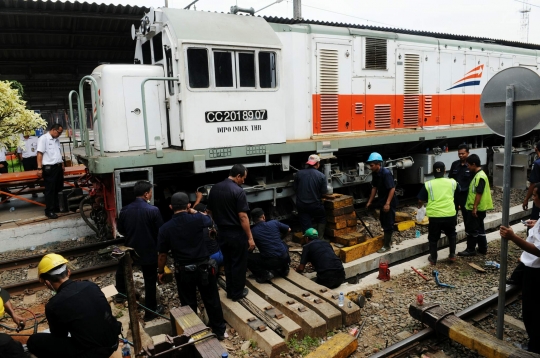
[14, 117]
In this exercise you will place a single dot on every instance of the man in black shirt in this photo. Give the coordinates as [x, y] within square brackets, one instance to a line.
[139, 222]
[330, 271]
[183, 236]
[273, 252]
[9, 348]
[228, 206]
[310, 186]
[79, 309]
[210, 237]
[459, 171]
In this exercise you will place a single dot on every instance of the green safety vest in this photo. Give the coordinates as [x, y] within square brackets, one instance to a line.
[485, 203]
[441, 198]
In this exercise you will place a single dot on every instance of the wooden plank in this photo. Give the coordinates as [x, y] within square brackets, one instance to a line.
[237, 316]
[350, 311]
[185, 322]
[209, 348]
[468, 335]
[405, 225]
[340, 211]
[341, 345]
[352, 222]
[337, 225]
[330, 314]
[298, 237]
[337, 203]
[312, 324]
[514, 322]
[476, 267]
[288, 326]
[350, 239]
[349, 216]
[348, 254]
[400, 216]
[334, 232]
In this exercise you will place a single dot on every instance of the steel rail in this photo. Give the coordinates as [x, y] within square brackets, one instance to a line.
[75, 251]
[402, 346]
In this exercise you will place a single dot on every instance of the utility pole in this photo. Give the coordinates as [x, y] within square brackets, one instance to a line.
[297, 9]
[524, 23]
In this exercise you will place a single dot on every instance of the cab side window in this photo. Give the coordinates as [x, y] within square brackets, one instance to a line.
[198, 68]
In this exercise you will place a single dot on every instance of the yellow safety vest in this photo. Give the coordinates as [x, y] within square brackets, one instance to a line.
[441, 198]
[485, 203]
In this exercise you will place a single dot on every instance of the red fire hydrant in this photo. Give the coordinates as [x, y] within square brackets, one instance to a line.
[384, 271]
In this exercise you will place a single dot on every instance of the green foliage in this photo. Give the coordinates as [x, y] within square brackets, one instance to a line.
[303, 346]
[16, 85]
[252, 344]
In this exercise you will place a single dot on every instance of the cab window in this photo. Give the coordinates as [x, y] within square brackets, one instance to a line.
[198, 68]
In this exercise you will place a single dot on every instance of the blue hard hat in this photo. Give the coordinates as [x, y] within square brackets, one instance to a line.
[374, 157]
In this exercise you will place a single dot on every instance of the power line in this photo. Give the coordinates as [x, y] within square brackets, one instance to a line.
[527, 3]
[356, 17]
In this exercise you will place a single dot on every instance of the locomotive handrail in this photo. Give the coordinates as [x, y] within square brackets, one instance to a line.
[144, 105]
[71, 116]
[100, 131]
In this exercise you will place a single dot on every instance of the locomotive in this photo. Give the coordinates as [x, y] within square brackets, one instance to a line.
[207, 90]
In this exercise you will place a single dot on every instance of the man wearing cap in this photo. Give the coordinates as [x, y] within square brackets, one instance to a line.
[80, 319]
[459, 171]
[10, 348]
[139, 223]
[310, 186]
[228, 206]
[439, 195]
[273, 257]
[382, 183]
[183, 236]
[478, 203]
[329, 268]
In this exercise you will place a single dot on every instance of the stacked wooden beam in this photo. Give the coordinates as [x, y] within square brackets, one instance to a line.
[341, 220]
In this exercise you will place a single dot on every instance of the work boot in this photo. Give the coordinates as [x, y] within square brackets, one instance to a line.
[467, 253]
[266, 278]
[452, 248]
[320, 229]
[432, 258]
[387, 242]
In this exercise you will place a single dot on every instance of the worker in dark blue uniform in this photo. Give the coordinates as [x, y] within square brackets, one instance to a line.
[383, 184]
[459, 171]
[210, 237]
[228, 206]
[330, 271]
[273, 257]
[310, 186]
[183, 237]
[139, 222]
[533, 179]
[79, 317]
[9, 348]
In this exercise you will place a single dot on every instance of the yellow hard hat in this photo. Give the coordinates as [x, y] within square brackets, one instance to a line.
[50, 261]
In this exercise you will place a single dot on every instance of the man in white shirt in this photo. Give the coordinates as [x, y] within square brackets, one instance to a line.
[50, 165]
[530, 289]
[28, 155]
[3, 161]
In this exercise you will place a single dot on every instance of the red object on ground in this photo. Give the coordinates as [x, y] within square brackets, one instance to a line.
[420, 299]
[384, 271]
[420, 273]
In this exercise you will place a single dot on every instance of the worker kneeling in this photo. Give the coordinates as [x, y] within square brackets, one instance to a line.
[80, 318]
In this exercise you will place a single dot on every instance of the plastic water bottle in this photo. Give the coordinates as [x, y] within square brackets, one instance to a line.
[126, 352]
[493, 264]
[12, 209]
[341, 299]
[417, 234]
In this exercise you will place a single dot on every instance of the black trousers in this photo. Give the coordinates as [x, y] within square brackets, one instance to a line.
[460, 199]
[10, 348]
[535, 212]
[234, 248]
[4, 169]
[188, 282]
[331, 278]
[259, 265]
[307, 212]
[436, 225]
[47, 345]
[476, 234]
[150, 280]
[530, 309]
[54, 183]
[29, 163]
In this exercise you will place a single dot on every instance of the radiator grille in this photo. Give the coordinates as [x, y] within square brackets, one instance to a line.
[328, 89]
[375, 54]
[427, 106]
[382, 116]
[358, 108]
[411, 91]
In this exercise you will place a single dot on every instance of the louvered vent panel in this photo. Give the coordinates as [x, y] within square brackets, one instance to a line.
[427, 106]
[329, 89]
[382, 116]
[358, 108]
[375, 54]
[411, 91]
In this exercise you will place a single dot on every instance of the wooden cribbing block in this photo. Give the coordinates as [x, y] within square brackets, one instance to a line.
[352, 222]
[348, 254]
[334, 232]
[349, 216]
[298, 237]
[403, 217]
[405, 225]
[237, 316]
[209, 348]
[350, 239]
[451, 326]
[185, 322]
[288, 326]
[340, 211]
[312, 324]
[337, 203]
[350, 311]
[324, 309]
[341, 345]
[337, 225]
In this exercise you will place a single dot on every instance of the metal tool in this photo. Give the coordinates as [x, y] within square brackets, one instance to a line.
[421, 274]
[436, 275]
[363, 223]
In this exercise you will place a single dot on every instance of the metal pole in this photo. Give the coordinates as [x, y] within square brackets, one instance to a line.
[297, 9]
[508, 135]
[96, 96]
[71, 116]
[132, 302]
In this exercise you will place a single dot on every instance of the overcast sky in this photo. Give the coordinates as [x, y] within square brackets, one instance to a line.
[497, 19]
